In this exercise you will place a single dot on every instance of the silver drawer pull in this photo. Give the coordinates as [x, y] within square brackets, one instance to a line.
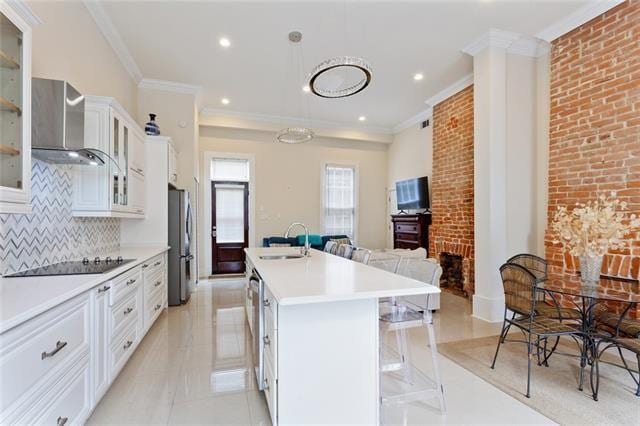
[131, 281]
[128, 311]
[59, 346]
[145, 266]
[266, 384]
[159, 262]
[266, 302]
[157, 307]
[103, 289]
[157, 283]
[62, 421]
[266, 340]
[127, 345]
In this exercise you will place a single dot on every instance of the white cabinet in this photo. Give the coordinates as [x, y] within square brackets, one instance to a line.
[115, 189]
[15, 111]
[56, 367]
[173, 165]
[100, 342]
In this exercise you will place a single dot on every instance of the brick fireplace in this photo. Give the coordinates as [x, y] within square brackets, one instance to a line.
[594, 144]
[451, 229]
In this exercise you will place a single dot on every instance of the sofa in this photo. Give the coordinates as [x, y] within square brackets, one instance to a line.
[315, 241]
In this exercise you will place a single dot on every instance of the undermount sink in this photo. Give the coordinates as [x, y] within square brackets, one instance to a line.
[281, 256]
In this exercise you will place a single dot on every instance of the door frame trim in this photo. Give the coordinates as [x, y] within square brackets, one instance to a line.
[208, 156]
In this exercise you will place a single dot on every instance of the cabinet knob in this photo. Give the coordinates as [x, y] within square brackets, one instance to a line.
[128, 311]
[127, 345]
[62, 421]
[103, 289]
[131, 281]
[157, 307]
[157, 283]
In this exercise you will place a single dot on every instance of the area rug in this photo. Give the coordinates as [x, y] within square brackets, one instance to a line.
[554, 389]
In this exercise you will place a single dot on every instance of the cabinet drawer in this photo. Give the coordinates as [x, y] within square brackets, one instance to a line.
[153, 265]
[39, 348]
[125, 284]
[123, 314]
[152, 282]
[271, 392]
[71, 402]
[122, 349]
[411, 228]
[153, 306]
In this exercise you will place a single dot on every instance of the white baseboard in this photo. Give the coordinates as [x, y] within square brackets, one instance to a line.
[488, 309]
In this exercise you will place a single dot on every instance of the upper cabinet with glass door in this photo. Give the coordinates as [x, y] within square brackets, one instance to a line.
[116, 189]
[15, 111]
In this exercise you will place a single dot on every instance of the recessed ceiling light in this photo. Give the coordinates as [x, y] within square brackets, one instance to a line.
[418, 77]
[224, 101]
[306, 89]
[362, 118]
[224, 42]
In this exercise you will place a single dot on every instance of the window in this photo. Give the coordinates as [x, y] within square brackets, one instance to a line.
[230, 169]
[229, 213]
[339, 207]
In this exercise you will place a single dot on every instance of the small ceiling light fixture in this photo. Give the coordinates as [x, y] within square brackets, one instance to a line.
[295, 135]
[224, 101]
[418, 76]
[224, 42]
[362, 118]
[306, 89]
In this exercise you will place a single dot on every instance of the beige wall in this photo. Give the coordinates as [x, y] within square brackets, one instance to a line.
[410, 154]
[287, 180]
[177, 118]
[68, 45]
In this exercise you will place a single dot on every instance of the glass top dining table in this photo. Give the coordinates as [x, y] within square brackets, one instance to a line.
[608, 289]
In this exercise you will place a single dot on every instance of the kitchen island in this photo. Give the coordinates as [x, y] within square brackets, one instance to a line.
[321, 335]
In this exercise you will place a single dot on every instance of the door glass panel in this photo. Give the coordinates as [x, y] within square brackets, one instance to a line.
[230, 213]
[125, 168]
[116, 156]
[230, 169]
[10, 104]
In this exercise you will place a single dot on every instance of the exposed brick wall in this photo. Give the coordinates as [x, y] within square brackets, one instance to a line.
[452, 181]
[594, 141]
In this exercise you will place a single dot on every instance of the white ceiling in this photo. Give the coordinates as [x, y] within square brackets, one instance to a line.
[178, 41]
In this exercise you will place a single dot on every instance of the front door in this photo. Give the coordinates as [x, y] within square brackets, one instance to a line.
[229, 226]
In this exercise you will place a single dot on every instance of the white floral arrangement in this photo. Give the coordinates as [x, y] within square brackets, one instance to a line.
[594, 228]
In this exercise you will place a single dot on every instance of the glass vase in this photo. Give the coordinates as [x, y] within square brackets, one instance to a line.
[590, 267]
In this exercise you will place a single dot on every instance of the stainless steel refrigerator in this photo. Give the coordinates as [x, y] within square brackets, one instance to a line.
[180, 257]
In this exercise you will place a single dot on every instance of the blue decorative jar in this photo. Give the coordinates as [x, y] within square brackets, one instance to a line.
[152, 128]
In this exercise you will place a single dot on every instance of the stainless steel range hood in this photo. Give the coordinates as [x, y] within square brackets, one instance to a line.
[57, 125]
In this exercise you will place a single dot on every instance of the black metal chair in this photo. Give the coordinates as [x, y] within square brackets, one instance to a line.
[630, 344]
[538, 267]
[521, 297]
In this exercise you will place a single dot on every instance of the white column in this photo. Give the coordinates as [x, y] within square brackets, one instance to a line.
[505, 165]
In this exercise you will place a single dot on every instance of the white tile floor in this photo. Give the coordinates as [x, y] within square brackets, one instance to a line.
[194, 367]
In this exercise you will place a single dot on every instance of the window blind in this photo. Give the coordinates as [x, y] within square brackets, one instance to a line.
[339, 200]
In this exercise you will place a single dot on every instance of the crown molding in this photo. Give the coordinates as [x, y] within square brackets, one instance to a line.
[108, 30]
[25, 12]
[169, 86]
[446, 93]
[584, 14]
[413, 120]
[291, 121]
[492, 38]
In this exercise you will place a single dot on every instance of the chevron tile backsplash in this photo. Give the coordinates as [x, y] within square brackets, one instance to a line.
[51, 234]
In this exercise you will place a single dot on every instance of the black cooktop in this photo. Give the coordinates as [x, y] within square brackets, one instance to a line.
[80, 267]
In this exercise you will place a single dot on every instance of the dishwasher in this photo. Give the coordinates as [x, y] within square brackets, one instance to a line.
[256, 288]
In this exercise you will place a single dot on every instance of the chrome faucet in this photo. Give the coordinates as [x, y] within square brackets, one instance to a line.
[306, 249]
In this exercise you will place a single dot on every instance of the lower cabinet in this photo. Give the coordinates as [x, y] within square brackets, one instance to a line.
[55, 368]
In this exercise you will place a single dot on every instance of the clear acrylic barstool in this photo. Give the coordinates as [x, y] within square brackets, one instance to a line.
[412, 384]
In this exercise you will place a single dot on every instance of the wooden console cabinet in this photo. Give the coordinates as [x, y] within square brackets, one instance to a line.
[411, 231]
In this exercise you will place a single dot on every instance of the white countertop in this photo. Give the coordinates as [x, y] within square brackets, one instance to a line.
[324, 277]
[23, 298]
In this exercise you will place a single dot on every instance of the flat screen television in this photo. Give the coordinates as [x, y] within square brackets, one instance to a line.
[413, 194]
